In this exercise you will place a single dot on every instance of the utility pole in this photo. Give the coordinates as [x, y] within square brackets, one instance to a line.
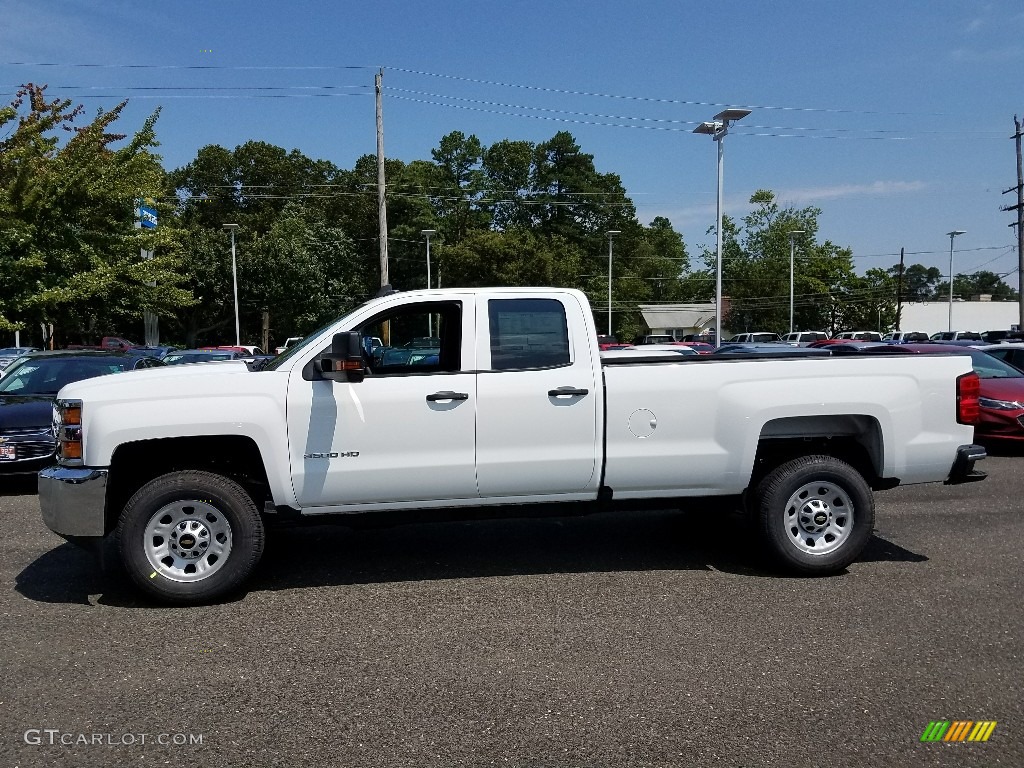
[382, 209]
[1019, 224]
[899, 294]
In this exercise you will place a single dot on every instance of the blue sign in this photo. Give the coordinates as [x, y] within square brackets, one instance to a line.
[147, 217]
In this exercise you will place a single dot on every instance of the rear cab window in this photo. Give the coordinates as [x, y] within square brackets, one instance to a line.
[527, 333]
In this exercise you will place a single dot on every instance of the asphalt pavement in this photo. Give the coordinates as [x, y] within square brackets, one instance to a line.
[631, 639]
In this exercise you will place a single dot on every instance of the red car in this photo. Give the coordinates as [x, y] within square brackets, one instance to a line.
[1002, 389]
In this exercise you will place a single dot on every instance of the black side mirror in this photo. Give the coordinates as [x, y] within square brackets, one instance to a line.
[345, 360]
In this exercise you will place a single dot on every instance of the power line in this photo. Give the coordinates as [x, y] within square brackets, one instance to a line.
[746, 128]
[214, 96]
[183, 66]
[686, 102]
[196, 87]
[669, 128]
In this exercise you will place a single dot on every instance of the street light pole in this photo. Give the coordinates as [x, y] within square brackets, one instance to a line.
[234, 281]
[611, 233]
[952, 234]
[430, 318]
[717, 129]
[792, 237]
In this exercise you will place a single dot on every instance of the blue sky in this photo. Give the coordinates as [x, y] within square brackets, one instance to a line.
[894, 118]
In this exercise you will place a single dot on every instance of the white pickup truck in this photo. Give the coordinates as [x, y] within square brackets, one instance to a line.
[481, 398]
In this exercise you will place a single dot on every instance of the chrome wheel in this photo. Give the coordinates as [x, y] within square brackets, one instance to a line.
[187, 541]
[818, 518]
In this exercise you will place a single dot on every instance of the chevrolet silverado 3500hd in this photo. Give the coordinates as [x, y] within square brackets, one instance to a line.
[469, 399]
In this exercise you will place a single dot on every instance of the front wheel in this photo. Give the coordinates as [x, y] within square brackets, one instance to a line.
[190, 537]
[815, 513]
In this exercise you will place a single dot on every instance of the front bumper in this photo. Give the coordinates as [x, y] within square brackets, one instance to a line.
[963, 470]
[73, 500]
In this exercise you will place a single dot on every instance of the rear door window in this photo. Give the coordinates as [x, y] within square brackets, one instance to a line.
[527, 333]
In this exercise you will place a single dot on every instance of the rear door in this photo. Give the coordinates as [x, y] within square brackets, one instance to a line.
[538, 402]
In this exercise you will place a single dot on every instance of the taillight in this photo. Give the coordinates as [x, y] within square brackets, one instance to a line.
[968, 392]
[67, 428]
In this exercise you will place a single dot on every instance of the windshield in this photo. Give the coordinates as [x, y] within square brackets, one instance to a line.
[177, 358]
[989, 367]
[46, 375]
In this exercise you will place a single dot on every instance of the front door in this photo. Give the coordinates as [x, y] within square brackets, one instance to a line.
[404, 433]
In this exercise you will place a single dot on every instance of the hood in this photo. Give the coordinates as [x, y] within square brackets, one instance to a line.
[191, 371]
[23, 411]
[1003, 389]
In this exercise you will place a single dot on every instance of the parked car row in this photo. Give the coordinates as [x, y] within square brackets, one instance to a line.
[806, 338]
[9, 354]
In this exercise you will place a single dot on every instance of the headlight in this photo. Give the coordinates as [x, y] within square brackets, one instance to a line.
[67, 429]
[1000, 405]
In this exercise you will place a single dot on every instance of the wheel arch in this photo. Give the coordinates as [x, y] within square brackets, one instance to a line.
[136, 463]
[856, 439]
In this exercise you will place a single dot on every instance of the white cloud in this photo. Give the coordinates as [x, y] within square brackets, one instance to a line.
[973, 56]
[874, 189]
[696, 218]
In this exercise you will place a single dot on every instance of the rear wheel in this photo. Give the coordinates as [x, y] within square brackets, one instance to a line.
[190, 537]
[815, 514]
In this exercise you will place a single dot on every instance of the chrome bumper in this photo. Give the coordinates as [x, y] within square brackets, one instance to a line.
[73, 500]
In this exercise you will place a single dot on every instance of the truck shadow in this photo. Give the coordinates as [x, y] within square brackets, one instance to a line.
[69, 574]
[331, 555]
[646, 541]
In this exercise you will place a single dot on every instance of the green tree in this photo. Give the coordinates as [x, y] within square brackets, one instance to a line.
[518, 258]
[507, 166]
[983, 282]
[756, 270]
[70, 254]
[920, 283]
[459, 186]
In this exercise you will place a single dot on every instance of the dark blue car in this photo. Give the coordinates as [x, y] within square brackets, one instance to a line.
[27, 392]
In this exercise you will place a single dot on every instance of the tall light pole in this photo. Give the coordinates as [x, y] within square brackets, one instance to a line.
[428, 233]
[611, 233]
[430, 318]
[234, 280]
[717, 129]
[952, 234]
[792, 247]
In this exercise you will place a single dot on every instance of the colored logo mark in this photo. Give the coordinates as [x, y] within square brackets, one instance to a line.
[958, 730]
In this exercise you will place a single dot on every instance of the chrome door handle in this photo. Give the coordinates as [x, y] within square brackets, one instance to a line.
[447, 396]
[568, 391]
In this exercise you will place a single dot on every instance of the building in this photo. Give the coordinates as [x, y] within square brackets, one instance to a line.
[933, 316]
[682, 319]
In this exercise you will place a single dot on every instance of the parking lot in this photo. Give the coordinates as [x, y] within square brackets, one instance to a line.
[643, 639]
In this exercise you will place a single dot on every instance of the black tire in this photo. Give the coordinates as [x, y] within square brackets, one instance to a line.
[204, 544]
[815, 514]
